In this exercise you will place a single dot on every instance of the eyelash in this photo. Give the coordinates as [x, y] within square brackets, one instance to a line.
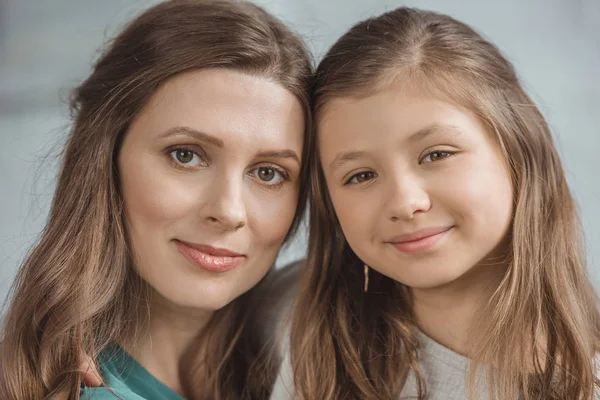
[179, 164]
[349, 180]
[429, 153]
[285, 177]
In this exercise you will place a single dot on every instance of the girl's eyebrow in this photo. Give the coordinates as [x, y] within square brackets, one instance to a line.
[433, 129]
[343, 157]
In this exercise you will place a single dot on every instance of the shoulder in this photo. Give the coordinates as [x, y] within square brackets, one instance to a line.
[110, 359]
[597, 372]
[103, 393]
[97, 394]
[280, 280]
[276, 295]
[283, 286]
[283, 389]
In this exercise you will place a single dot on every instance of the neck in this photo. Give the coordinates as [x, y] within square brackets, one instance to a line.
[170, 330]
[447, 313]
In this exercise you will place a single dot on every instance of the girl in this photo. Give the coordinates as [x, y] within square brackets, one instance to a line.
[445, 257]
[180, 182]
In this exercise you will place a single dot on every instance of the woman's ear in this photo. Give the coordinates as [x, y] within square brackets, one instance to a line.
[91, 376]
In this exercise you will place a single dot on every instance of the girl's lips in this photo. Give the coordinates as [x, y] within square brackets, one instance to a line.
[210, 258]
[419, 241]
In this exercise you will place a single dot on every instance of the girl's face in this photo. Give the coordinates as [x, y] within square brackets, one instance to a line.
[421, 190]
[209, 174]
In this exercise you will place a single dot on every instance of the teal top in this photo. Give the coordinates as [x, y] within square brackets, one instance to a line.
[127, 380]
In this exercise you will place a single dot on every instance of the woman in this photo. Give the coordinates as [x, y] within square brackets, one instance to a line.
[180, 181]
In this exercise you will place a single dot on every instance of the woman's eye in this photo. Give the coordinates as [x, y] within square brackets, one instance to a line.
[436, 155]
[186, 158]
[266, 174]
[270, 175]
[361, 177]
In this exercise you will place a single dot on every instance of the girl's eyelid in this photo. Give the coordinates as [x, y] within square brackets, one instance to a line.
[351, 174]
[348, 181]
[444, 149]
[439, 147]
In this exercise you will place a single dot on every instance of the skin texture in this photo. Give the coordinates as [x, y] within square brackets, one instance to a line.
[402, 161]
[213, 159]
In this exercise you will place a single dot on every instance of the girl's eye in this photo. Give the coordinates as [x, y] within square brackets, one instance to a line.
[361, 177]
[186, 158]
[270, 175]
[436, 155]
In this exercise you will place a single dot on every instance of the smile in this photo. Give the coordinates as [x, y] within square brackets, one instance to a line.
[419, 241]
[210, 258]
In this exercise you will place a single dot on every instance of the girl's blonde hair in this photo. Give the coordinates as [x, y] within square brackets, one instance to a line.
[543, 325]
[77, 291]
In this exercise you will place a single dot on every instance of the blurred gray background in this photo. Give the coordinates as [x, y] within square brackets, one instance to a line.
[47, 47]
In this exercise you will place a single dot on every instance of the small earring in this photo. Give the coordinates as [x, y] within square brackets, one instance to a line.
[366, 278]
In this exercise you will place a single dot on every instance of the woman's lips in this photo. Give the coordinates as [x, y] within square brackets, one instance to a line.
[210, 258]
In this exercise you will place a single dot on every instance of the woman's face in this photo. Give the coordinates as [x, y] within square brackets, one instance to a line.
[209, 174]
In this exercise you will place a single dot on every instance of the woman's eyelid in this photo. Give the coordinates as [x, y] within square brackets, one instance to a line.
[203, 160]
[188, 146]
[284, 172]
[279, 181]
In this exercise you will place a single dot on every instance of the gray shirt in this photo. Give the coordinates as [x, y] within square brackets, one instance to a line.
[445, 373]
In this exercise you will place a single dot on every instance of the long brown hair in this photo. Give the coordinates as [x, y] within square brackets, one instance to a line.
[543, 323]
[76, 291]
